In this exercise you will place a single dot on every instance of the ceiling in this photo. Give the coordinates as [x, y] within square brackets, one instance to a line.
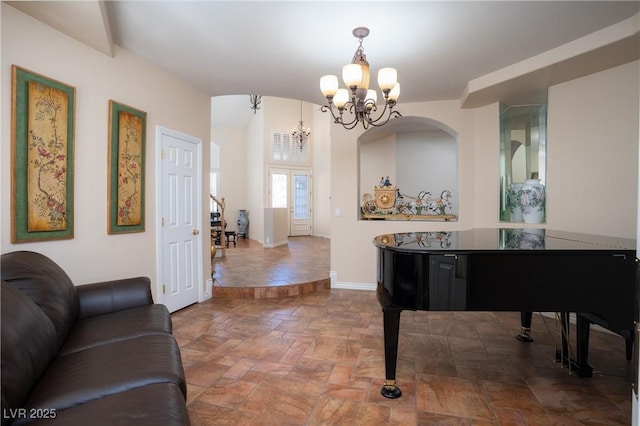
[475, 52]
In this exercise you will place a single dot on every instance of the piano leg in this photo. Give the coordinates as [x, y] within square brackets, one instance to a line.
[562, 355]
[525, 327]
[391, 319]
[579, 365]
[583, 326]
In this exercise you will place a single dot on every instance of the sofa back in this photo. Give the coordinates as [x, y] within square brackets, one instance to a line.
[28, 343]
[46, 284]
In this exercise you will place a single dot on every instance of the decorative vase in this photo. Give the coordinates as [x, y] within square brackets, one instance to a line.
[532, 239]
[513, 202]
[243, 223]
[532, 201]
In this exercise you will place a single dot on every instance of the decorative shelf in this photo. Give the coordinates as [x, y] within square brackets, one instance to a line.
[425, 217]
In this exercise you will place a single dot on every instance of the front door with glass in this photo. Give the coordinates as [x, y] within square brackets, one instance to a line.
[292, 189]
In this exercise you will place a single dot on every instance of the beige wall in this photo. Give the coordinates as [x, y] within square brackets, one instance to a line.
[592, 169]
[593, 153]
[256, 175]
[321, 173]
[592, 163]
[353, 257]
[233, 171]
[377, 159]
[92, 254]
[245, 161]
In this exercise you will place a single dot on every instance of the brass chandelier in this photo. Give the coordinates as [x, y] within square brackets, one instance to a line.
[358, 101]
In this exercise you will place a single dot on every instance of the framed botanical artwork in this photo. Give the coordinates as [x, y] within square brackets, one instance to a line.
[42, 142]
[127, 140]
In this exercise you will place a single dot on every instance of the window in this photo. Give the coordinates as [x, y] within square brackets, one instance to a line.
[279, 189]
[301, 196]
[284, 149]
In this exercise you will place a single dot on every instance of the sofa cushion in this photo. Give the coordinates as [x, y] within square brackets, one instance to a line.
[46, 284]
[28, 342]
[152, 405]
[111, 296]
[121, 325]
[107, 369]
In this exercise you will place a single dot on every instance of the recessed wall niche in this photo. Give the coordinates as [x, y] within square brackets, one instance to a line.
[408, 170]
[523, 156]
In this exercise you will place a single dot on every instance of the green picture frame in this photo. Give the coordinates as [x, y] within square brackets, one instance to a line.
[42, 157]
[126, 170]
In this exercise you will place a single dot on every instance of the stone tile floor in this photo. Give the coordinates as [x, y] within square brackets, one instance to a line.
[318, 359]
[249, 270]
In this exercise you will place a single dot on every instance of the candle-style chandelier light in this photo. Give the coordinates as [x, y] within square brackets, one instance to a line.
[357, 103]
[254, 102]
[300, 134]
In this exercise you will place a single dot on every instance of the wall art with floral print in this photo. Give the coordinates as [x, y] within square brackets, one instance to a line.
[42, 143]
[127, 136]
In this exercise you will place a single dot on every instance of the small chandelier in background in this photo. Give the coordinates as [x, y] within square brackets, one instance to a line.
[358, 100]
[254, 102]
[300, 134]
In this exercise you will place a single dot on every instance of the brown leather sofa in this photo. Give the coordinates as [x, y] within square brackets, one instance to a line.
[100, 353]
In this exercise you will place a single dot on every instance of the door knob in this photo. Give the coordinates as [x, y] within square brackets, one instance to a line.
[196, 232]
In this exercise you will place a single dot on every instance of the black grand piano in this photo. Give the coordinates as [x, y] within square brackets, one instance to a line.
[503, 269]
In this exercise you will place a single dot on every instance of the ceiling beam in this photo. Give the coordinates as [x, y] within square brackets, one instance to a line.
[527, 81]
[84, 21]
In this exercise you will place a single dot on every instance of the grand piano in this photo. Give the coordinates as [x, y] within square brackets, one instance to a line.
[503, 269]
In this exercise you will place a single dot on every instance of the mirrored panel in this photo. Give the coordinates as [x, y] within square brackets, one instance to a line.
[523, 151]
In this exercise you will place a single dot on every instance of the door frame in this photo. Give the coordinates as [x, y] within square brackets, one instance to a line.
[292, 220]
[290, 171]
[160, 132]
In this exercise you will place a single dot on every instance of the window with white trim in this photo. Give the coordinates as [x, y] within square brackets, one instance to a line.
[285, 150]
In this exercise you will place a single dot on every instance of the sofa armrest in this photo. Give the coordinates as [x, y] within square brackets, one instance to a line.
[112, 296]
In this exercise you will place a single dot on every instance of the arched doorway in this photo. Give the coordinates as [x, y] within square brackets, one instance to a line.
[417, 158]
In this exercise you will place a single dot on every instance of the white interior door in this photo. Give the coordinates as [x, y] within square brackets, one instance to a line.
[180, 258]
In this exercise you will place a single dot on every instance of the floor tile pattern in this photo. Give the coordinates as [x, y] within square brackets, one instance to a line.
[249, 270]
[266, 350]
[318, 359]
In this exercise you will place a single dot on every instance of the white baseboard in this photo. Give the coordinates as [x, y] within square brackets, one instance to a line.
[349, 285]
[208, 291]
[354, 286]
[328, 237]
[275, 244]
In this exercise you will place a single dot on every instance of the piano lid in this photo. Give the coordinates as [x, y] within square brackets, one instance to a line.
[497, 239]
